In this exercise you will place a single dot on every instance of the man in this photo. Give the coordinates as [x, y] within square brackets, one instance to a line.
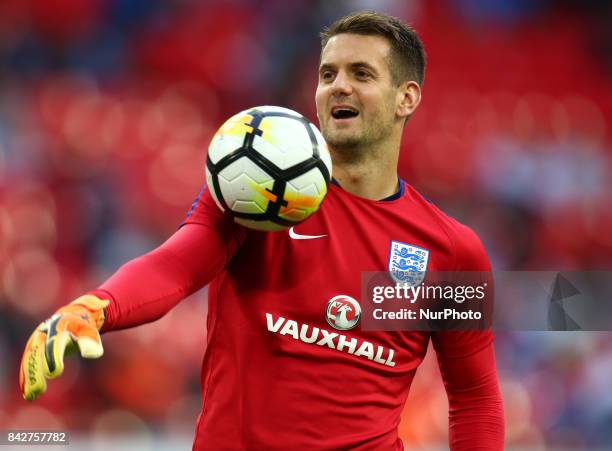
[279, 371]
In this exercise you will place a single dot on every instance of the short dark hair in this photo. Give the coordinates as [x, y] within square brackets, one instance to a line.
[407, 56]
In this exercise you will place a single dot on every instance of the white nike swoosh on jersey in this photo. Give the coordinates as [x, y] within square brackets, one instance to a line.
[297, 236]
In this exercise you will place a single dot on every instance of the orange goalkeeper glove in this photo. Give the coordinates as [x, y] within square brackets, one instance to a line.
[74, 325]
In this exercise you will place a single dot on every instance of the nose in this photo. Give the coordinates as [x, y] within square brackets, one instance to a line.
[341, 85]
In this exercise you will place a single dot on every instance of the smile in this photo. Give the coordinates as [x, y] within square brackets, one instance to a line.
[344, 112]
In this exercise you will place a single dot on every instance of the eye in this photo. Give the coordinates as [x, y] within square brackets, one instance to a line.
[327, 75]
[362, 74]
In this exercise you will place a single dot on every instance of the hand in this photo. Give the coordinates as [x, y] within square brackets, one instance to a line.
[74, 325]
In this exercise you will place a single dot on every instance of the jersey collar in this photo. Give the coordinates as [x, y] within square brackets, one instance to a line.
[397, 195]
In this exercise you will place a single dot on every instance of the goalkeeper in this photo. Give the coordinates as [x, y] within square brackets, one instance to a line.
[279, 372]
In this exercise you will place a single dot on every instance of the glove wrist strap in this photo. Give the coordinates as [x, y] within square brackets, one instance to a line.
[95, 307]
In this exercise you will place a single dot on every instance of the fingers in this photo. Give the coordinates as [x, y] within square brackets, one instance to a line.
[55, 349]
[86, 336]
[53, 362]
[90, 348]
[75, 325]
[32, 381]
[63, 331]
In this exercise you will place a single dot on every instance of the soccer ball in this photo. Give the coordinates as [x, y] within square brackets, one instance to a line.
[268, 167]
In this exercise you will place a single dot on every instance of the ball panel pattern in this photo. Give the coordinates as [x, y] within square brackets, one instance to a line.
[229, 136]
[268, 167]
[303, 195]
[246, 187]
[284, 141]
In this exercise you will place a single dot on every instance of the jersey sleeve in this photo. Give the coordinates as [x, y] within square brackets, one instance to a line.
[467, 364]
[470, 258]
[149, 286]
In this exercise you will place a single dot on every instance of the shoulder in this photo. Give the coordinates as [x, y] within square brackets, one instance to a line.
[205, 212]
[469, 252]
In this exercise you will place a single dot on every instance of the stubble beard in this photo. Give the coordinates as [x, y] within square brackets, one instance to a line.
[346, 143]
[355, 145]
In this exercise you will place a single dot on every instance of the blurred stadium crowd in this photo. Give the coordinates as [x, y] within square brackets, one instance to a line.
[106, 109]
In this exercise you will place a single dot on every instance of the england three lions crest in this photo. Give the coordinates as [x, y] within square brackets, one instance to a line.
[407, 263]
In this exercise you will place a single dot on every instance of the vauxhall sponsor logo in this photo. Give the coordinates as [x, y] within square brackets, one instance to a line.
[343, 312]
[321, 337]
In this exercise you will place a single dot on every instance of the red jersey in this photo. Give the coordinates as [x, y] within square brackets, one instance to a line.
[279, 372]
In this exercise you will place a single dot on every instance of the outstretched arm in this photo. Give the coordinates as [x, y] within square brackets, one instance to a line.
[147, 287]
[141, 291]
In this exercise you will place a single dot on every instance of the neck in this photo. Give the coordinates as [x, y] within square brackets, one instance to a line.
[370, 173]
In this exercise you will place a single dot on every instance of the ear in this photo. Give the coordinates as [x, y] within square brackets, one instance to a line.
[408, 99]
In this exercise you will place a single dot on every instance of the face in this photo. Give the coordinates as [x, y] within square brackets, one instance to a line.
[356, 98]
